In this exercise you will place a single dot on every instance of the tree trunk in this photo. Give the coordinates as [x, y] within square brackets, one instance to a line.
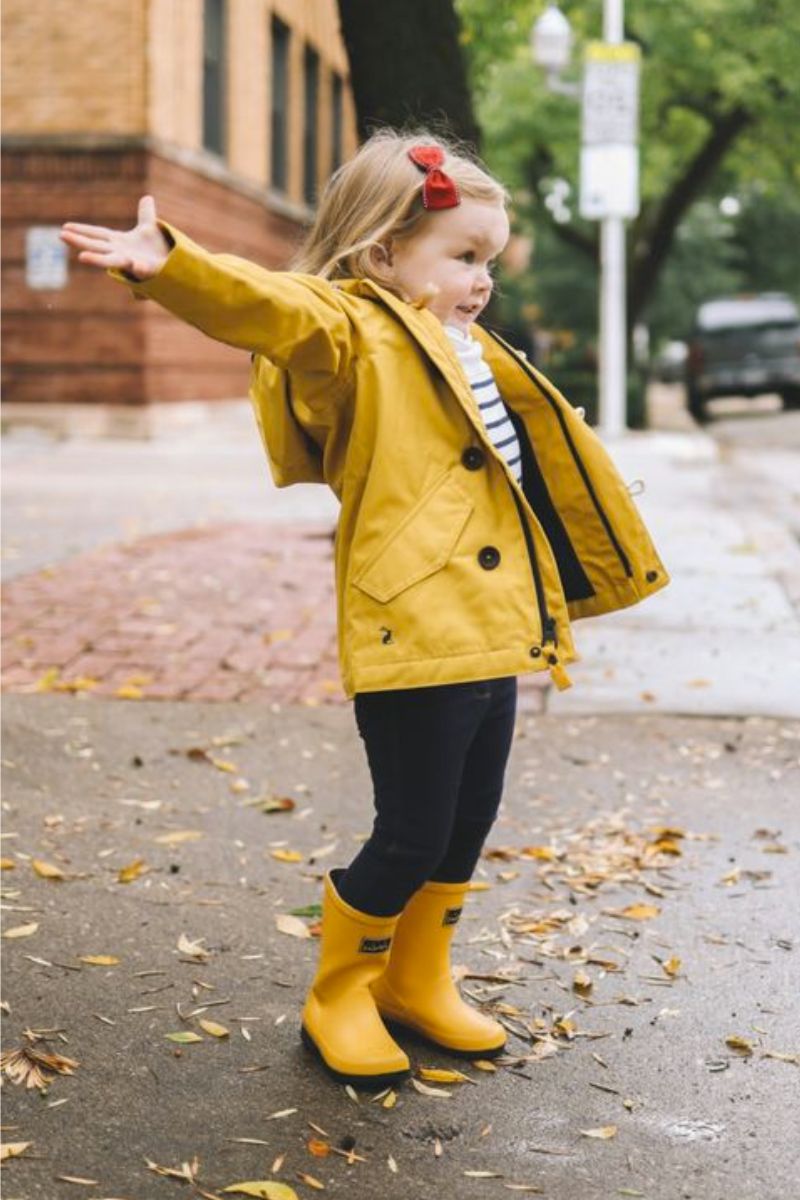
[407, 66]
[651, 247]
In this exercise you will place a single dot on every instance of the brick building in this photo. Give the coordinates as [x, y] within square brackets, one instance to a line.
[231, 112]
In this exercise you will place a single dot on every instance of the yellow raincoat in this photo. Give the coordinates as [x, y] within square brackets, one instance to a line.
[446, 569]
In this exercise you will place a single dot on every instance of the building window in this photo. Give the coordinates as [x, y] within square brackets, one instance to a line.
[337, 120]
[214, 76]
[279, 157]
[311, 133]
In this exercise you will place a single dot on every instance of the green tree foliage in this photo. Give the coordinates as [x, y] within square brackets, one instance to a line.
[720, 115]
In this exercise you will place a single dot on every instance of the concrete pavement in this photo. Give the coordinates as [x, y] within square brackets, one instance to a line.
[724, 637]
[635, 928]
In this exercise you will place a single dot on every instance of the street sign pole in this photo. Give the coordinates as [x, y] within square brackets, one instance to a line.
[610, 193]
[613, 359]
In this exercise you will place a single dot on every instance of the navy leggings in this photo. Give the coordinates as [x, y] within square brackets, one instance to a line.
[437, 756]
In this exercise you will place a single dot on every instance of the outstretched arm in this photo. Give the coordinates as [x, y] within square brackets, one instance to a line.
[300, 322]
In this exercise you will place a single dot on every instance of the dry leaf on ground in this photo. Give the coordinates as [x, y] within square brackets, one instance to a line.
[34, 1068]
[21, 931]
[286, 923]
[263, 1189]
[603, 1133]
[13, 1149]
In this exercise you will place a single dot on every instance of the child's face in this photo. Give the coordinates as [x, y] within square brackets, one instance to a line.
[453, 253]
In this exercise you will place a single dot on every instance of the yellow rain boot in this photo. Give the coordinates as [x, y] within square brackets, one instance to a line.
[417, 988]
[340, 1020]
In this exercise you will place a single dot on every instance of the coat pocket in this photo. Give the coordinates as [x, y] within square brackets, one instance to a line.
[421, 545]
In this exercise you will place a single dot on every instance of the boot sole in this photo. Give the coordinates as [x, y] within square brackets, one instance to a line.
[368, 1082]
[392, 1024]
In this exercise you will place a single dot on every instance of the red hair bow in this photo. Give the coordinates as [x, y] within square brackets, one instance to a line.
[438, 190]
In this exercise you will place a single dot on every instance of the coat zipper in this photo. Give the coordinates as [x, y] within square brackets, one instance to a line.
[623, 558]
[548, 623]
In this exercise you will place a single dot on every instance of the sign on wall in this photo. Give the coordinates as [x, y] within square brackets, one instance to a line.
[46, 258]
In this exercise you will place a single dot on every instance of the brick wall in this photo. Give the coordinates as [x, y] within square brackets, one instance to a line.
[74, 66]
[91, 341]
[103, 102]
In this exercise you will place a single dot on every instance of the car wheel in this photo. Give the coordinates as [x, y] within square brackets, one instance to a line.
[791, 397]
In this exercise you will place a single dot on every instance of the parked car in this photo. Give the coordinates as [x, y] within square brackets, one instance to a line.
[744, 346]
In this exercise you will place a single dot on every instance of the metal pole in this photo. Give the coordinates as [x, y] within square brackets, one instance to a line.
[613, 368]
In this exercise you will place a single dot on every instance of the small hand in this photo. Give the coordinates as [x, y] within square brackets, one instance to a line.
[141, 251]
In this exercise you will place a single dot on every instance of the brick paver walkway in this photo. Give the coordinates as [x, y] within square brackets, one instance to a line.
[231, 612]
[235, 611]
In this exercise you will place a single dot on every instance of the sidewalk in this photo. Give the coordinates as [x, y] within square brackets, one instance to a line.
[195, 578]
[724, 637]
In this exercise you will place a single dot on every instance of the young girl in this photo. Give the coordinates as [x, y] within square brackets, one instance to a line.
[478, 515]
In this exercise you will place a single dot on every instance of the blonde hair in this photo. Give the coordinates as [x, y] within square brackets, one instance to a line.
[378, 195]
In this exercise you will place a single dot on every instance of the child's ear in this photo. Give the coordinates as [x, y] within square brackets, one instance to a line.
[381, 255]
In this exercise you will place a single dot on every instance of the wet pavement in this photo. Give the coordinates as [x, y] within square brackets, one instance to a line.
[650, 859]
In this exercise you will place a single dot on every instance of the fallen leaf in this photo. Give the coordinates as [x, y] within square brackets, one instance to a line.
[7, 864]
[603, 1133]
[318, 1148]
[193, 949]
[78, 1179]
[187, 1171]
[741, 1045]
[437, 1075]
[271, 804]
[311, 1181]
[34, 1068]
[222, 764]
[429, 1091]
[13, 1149]
[671, 967]
[286, 923]
[638, 912]
[185, 1037]
[132, 871]
[545, 853]
[790, 1058]
[287, 856]
[389, 1100]
[99, 960]
[46, 870]
[20, 931]
[582, 983]
[264, 1189]
[218, 1031]
[177, 836]
[668, 846]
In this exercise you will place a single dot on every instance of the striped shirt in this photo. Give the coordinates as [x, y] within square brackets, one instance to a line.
[493, 411]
